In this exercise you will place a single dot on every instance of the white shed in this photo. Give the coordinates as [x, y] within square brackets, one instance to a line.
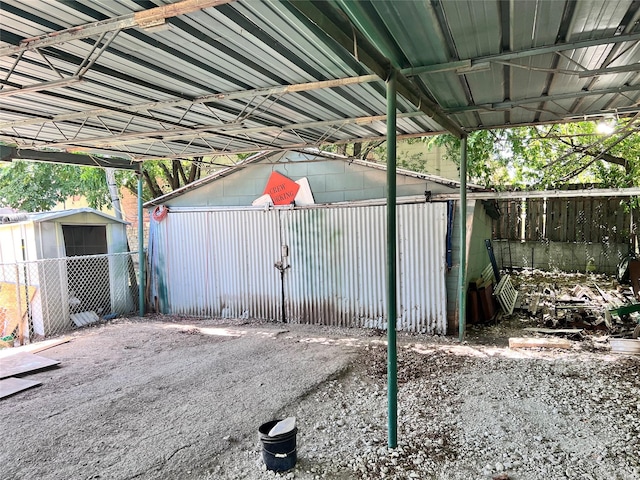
[60, 265]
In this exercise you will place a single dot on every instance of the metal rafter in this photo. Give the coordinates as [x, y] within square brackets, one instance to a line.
[627, 25]
[205, 99]
[97, 49]
[478, 62]
[542, 98]
[143, 19]
[582, 73]
[37, 87]
[9, 153]
[195, 133]
[210, 150]
[183, 134]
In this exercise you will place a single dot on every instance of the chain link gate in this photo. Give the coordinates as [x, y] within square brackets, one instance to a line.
[44, 298]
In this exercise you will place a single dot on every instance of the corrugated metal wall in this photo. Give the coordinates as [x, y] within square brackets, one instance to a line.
[422, 296]
[337, 258]
[221, 263]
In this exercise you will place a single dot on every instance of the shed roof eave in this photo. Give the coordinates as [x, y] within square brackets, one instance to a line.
[57, 215]
[453, 184]
[208, 179]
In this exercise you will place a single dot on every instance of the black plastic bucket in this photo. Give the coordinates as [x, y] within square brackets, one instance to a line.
[279, 452]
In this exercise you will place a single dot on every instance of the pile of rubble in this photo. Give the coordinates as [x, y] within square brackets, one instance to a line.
[577, 304]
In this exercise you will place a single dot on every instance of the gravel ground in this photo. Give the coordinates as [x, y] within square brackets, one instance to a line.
[171, 398]
[471, 411]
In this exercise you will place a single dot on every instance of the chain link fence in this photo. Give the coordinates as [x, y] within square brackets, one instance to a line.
[49, 297]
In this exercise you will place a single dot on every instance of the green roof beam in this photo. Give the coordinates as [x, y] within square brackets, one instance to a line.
[339, 28]
[9, 153]
[461, 64]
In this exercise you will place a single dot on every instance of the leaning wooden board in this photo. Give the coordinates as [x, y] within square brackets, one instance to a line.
[33, 347]
[10, 386]
[23, 362]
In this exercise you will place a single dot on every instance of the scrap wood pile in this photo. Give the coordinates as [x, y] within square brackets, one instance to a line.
[19, 361]
[577, 305]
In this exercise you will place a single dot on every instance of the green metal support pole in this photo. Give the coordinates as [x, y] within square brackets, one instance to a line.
[462, 274]
[392, 353]
[141, 260]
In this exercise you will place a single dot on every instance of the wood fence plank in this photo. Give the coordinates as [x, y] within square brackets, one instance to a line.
[595, 220]
[621, 226]
[591, 233]
[514, 216]
[570, 223]
[579, 234]
[559, 216]
[552, 219]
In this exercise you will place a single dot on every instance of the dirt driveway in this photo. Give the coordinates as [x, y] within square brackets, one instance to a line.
[168, 398]
[156, 399]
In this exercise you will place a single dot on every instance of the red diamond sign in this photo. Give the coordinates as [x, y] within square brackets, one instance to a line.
[282, 190]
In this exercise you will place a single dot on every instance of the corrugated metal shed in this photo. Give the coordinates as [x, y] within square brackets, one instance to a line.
[201, 77]
[321, 263]
[332, 261]
[76, 215]
[42, 233]
[36, 251]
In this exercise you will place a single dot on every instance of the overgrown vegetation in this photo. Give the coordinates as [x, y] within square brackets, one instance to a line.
[38, 187]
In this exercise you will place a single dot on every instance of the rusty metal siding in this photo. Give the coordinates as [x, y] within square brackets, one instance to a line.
[336, 275]
[337, 266]
[220, 263]
[422, 298]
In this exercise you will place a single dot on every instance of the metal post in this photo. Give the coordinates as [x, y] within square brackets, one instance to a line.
[19, 305]
[462, 274]
[110, 174]
[141, 260]
[392, 354]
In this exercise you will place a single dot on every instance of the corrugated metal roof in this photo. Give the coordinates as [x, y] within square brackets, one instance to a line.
[220, 77]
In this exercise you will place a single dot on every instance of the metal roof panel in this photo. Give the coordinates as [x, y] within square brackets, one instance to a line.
[475, 26]
[141, 95]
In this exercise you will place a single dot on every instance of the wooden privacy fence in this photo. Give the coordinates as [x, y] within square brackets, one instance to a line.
[590, 220]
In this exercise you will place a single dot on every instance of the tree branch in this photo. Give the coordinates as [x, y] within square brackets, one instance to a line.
[370, 147]
[167, 174]
[155, 189]
[193, 171]
[182, 173]
[175, 184]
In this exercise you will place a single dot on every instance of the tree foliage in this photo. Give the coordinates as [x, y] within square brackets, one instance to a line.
[37, 187]
[547, 157]
[165, 176]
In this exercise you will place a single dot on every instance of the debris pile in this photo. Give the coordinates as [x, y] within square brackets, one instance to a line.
[576, 305]
[577, 301]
